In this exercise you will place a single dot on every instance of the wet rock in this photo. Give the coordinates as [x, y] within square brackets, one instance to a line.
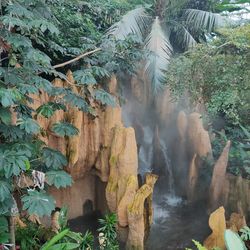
[198, 137]
[123, 164]
[217, 223]
[236, 222]
[218, 179]
[135, 212]
[236, 195]
[192, 178]
[182, 123]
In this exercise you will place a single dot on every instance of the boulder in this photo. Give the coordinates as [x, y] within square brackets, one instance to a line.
[236, 222]
[135, 212]
[218, 179]
[192, 179]
[217, 223]
[198, 138]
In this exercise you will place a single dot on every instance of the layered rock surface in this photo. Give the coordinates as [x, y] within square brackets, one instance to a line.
[103, 148]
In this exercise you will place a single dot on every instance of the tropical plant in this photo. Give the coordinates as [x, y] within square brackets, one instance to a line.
[107, 233]
[30, 56]
[198, 245]
[245, 233]
[169, 21]
[30, 236]
[233, 241]
[4, 232]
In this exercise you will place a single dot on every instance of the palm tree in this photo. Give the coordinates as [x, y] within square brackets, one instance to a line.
[169, 21]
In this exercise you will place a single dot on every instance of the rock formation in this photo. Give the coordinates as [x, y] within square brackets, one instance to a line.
[135, 212]
[198, 137]
[236, 195]
[103, 149]
[236, 222]
[217, 223]
[192, 179]
[193, 146]
[218, 179]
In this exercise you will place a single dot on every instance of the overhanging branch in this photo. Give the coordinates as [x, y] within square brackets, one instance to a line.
[76, 59]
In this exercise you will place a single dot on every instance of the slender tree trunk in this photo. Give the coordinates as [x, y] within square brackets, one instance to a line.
[12, 232]
[160, 8]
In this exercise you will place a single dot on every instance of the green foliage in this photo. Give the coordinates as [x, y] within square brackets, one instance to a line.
[233, 241]
[5, 190]
[58, 178]
[245, 233]
[198, 245]
[239, 155]
[222, 81]
[108, 229]
[29, 237]
[62, 219]
[105, 98]
[87, 241]
[4, 235]
[52, 242]
[38, 203]
[48, 109]
[64, 129]
[53, 158]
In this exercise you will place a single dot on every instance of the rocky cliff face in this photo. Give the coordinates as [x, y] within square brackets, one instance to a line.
[191, 145]
[106, 150]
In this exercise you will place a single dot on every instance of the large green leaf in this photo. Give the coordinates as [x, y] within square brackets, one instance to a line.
[77, 101]
[48, 109]
[53, 158]
[63, 246]
[233, 241]
[18, 41]
[4, 235]
[19, 10]
[29, 125]
[65, 129]
[54, 240]
[84, 77]
[11, 132]
[99, 72]
[5, 115]
[39, 57]
[8, 97]
[5, 190]
[12, 162]
[105, 98]
[58, 178]
[5, 206]
[38, 203]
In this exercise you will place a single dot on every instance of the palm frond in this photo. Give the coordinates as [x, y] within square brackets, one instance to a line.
[133, 22]
[160, 49]
[204, 20]
[182, 35]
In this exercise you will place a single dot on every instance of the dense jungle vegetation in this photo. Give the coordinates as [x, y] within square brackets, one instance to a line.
[42, 39]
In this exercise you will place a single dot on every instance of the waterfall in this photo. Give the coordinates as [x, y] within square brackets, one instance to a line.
[168, 168]
[146, 151]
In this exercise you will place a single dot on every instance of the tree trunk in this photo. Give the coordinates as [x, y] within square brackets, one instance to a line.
[12, 232]
[160, 8]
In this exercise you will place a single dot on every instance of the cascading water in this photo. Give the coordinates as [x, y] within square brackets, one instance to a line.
[175, 222]
[146, 152]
